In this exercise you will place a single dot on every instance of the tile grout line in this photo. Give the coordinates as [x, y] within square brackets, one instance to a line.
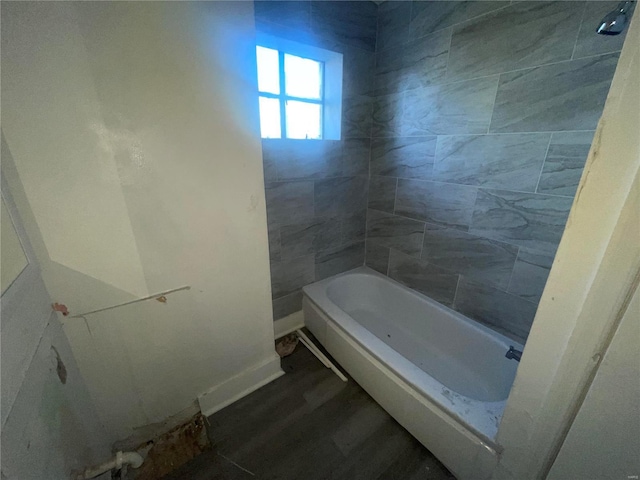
[544, 161]
[424, 231]
[484, 134]
[582, 15]
[375, 48]
[493, 107]
[455, 294]
[388, 262]
[366, 222]
[512, 271]
[446, 68]
[479, 187]
[395, 196]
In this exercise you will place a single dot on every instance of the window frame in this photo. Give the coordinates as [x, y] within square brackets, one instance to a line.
[282, 97]
[331, 84]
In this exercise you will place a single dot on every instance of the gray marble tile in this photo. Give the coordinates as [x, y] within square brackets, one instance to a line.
[287, 276]
[355, 156]
[377, 257]
[382, 193]
[530, 274]
[409, 157]
[289, 201]
[300, 239]
[523, 35]
[525, 219]
[428, 17]
[340, 196]
[454, 108]
[340, 259]
[347, 22]
[358, 68]
[434, 202]
[301, 159]
[565, 161]
[354, 227]
[435, 282]
[511, 161]
[290, 13]
[273, 231]
[301, 35]
[482, 259]
[563, 96]
[589, 42]
[356, 116]
[419, 63]
[501, 311]
[393, 24]
[269, 167]
[387, 115]
[396, 232]
[287, 305]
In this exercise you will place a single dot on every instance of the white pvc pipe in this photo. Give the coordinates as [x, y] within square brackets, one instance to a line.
[319, 355]
[122, 458]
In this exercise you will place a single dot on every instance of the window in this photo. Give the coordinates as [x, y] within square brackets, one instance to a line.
[300, 90]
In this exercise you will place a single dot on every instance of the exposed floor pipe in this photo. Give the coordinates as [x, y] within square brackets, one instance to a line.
[122, 458]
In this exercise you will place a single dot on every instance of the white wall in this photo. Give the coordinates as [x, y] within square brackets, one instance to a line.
[594, 274]
[13, 258]
[134, 130]
[49, 423]
[604, 439]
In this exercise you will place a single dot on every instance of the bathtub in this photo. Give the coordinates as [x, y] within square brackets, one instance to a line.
[442, 376]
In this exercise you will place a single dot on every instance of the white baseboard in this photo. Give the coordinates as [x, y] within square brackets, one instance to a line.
[288, 324]
[240, 386]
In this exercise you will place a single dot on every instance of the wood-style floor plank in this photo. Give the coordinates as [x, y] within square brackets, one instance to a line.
[310, 425]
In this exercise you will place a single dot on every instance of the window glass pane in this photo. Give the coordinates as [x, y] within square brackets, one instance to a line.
[270, 117]
[303, 120]
[268, 70]
[303, 77]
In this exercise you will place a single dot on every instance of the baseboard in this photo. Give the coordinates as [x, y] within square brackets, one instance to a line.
[288, 324]
[240, 386]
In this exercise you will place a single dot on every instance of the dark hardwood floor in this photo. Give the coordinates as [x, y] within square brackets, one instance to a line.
[310, 425]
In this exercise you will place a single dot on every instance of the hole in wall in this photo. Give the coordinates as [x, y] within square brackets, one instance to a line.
[61, 370]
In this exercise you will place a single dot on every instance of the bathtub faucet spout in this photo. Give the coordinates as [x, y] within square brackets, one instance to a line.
[513, 353]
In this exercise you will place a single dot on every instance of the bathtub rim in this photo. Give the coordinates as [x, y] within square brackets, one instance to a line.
[333, 311]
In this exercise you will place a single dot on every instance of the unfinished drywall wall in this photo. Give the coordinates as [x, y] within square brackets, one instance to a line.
[134, 131]
[52, 428]
[49, 423]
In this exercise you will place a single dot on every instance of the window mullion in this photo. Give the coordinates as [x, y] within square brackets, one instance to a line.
[302, 99]
[268, 94]
[283, 119]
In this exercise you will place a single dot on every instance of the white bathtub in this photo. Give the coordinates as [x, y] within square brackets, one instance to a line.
[442, 376]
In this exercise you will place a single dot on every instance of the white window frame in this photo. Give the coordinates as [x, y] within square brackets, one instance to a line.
[331, 98]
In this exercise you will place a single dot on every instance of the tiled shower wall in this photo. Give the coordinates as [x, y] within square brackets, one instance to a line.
[316, 190]
[483, 117]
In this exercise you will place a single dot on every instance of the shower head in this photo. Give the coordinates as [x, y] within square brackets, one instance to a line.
[614, 22]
